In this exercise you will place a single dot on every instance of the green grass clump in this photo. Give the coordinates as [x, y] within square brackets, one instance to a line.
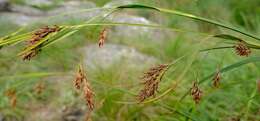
[203, 47]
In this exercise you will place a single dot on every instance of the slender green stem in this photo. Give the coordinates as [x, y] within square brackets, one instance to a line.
[191, 16]
[179, 112]
[217, 48]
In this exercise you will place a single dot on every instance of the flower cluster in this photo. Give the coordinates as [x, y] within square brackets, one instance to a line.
[151, 81]
[37, 37]
[242, 49]
[216, 79]
[82, 81]
[196, 93]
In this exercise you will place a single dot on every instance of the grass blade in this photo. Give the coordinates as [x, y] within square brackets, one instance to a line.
[191, 16]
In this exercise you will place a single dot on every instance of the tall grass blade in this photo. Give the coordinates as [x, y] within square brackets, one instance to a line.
[187, 15]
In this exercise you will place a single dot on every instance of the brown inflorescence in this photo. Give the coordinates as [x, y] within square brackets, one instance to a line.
[82, 81]
[258, 85]
[196, 93]
[151, 80]
[242, 49]
[36, 37]
[80, 77]
[11, 94]
[30, 54]
[102, 37]
[216, 79]
[88, 94]
[39, 87]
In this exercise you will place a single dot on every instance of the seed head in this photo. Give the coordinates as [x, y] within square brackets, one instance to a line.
[242, 49]
[36, 37]
[88, 94]
[216, 79]
[151, 80]
[80, 77]
[196, 93]
[102, 37]
[30, 54]
[82, 81]
[39, 87]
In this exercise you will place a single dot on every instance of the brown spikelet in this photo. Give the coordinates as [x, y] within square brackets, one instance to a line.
[102, 37]
[258, 85]
[11, 94]
[82, 81]
[80, 77]
[151, 80]
[30, 54]
[242, 49]
[36, 37]
[88, 94]
[39, 87]
[216, 79]
[196, 93]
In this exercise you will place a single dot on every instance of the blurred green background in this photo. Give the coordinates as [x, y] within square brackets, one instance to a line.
[114, 70]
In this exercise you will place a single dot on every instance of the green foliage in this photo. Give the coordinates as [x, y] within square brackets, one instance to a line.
[117, 86]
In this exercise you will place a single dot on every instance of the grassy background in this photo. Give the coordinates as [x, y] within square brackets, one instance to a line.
[121, 83]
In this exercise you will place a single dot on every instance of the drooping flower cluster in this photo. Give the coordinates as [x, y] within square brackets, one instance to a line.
[37, 37]
[216, 79]
[151, 80]
[102, 37]
[81, 81]
[196, 93]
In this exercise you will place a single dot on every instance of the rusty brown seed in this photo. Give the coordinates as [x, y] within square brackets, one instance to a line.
[36, 37]
[151, 80]
[102, 37]
[196, 93]
[216, 79]
[242, 49]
